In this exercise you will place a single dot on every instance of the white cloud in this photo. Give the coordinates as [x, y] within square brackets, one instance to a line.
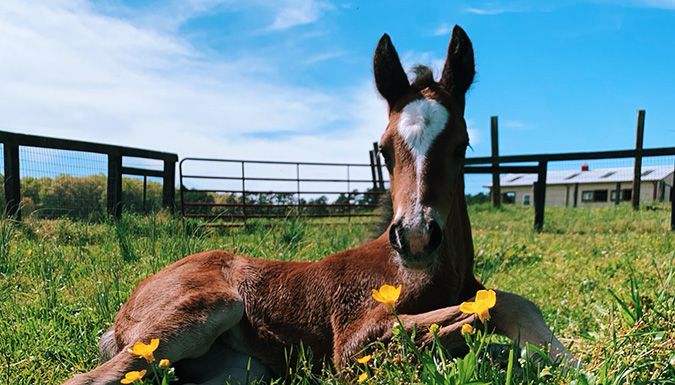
[291, 13]
[516, 124]
[68, 71]
[485, 11]
[443, 29]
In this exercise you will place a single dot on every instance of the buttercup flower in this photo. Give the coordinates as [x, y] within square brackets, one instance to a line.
[387, 294]
[485, 300]
[364, 359]
[434, 328]
[145, 351]
[130, 377]
[164, 363]
[468, 329]
[362, 377]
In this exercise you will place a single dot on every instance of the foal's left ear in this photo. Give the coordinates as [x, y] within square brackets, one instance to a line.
[390, 78]
[459, 68]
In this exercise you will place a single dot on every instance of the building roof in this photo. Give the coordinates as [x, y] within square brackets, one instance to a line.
[598, 175]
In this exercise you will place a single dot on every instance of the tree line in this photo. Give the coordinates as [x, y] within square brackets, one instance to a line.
[85, 197]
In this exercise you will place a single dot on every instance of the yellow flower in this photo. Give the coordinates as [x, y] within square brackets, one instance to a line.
[362, 377]
[387, 294]
[364, 359]
[30, 251]
[145, 351]
[468, 329]
[485, 299]
[434, 328]
[164, 363]
[130, 377]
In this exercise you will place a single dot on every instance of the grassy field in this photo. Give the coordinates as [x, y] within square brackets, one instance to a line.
[604, 279]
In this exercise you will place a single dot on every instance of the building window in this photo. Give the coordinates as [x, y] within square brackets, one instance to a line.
[526, 200]
[587, 196]
[594, 196]
[599, 195]
[625, 195]
[612, 195]
[509, 197]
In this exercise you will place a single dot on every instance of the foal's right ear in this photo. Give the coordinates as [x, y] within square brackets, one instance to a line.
[390, 79]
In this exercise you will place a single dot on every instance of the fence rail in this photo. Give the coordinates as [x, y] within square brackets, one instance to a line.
[115, 154]
[474, 166]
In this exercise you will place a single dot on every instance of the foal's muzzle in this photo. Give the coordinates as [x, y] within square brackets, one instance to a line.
[415, 244]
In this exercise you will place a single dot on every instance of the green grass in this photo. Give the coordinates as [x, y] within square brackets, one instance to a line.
[604, 279]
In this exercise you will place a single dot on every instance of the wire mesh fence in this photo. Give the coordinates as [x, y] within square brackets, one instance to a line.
[49, 178]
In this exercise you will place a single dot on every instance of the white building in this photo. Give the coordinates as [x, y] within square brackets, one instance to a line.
[586, 187]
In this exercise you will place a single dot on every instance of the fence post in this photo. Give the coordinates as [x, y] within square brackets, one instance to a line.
[169, 185]
[540, 196]
[115, 184]
[496, 188]
[12, 180]
[373, 154]
[576, 194]
[617, 198]
[637, 169]
[379, 166]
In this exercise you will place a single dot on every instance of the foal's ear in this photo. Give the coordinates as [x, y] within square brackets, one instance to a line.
[459, 68]
[390, 79]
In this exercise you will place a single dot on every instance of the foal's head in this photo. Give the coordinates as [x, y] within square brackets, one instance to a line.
[423, 146]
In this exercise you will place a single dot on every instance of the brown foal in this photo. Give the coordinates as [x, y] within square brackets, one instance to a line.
[213, 310]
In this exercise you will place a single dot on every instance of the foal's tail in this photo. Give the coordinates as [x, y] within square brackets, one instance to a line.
[107, 348]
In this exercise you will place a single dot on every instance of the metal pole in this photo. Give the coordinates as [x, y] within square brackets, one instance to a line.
[373, 154]
[496, 188]
[637, 169]
[379, 166]
[243, 192]
[145, 190]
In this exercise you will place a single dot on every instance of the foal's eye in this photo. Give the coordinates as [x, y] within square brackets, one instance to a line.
[387, 158]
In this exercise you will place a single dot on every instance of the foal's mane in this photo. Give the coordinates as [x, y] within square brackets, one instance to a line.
[424, 76]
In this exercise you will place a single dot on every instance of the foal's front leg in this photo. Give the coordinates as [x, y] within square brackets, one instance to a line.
[513, 316]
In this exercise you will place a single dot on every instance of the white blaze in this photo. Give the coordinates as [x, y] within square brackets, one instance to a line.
[419, 124]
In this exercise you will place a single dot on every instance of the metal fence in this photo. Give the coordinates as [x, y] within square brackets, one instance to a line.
[55, 177]
[237, 190]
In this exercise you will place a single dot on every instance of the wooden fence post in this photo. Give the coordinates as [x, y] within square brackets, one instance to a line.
[169, 185]
[496, 188]
[617, 198]
[540, 196]
[637, 169]
[115, 184]
[12, 180]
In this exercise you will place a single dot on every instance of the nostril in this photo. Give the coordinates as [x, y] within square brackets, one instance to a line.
[395, 238]
[435, 236]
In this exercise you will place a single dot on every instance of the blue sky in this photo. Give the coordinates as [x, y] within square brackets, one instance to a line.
[292, 79]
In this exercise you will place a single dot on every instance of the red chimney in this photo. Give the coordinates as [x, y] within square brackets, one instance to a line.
[584, 167]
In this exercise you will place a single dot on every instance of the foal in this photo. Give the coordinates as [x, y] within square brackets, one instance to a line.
[213, 310]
